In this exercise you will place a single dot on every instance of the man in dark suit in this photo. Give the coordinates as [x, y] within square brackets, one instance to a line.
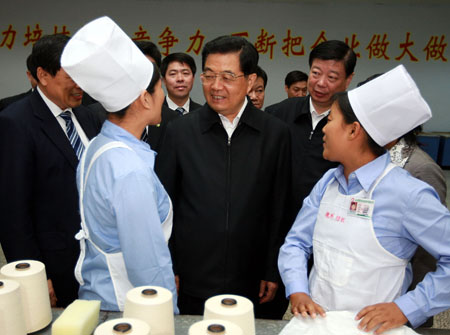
[332, 64]
[178, 72]
[39, 198]
[5, 102]
[226, 168]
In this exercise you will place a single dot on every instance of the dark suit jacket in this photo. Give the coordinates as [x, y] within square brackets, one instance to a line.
[39, 197]
[229, 200]
[308, 164]
[5, 102]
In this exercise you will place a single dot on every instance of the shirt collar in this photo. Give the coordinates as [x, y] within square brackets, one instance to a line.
[238, 116]
[314, 114]
[174, 106]
[366, 175]
[56, 111]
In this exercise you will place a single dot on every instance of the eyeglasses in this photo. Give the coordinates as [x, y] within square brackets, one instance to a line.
[209, 77]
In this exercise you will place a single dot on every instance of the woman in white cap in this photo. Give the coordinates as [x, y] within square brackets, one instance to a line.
[361, 252]
[123, 206]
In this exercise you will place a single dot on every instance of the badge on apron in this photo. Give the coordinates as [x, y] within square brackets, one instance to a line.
[362, 208]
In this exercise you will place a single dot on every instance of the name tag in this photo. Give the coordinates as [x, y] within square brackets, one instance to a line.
[362, 208]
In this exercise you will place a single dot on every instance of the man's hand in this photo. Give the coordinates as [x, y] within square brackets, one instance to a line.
[177, 283]
[302, 304]
[385, 316]
[267, 291]
[51, 293]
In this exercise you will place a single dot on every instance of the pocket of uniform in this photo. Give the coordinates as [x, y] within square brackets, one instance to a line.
[335, 265]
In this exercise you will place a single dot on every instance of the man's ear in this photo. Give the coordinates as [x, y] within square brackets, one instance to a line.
[42, 75]
[251, 81]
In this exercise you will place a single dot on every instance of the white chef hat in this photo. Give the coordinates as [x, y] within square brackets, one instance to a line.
[389, 106]
[107, 64]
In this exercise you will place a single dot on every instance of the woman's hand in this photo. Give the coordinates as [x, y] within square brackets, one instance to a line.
[301, 303]
[385, 316]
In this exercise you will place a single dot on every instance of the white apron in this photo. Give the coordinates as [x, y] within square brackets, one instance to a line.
[351, 269]
[115, 261]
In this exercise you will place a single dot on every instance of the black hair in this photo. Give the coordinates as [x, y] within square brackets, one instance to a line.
[372, 77]
[248, 56]
[261, 73]
[30, 66]
[150, 89]
[46, 53]
[180, 57]
[294, 77]
[150, 49]
[335, 50]
[349, 117]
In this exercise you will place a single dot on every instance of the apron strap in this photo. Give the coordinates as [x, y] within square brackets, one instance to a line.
[83, 234]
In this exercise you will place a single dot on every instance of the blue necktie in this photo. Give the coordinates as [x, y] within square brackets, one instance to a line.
[72, 134]
[180, 110]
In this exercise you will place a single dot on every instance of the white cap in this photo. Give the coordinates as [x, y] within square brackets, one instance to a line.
[107, 64]
[389, 106]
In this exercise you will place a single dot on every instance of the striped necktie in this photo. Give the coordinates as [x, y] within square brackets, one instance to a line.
[180, 110]
[72, 134]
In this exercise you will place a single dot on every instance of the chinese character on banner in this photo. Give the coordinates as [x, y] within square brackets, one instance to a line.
[290, 43]
[64, 30]
[141, 35]
[32, 36]
[435, 49]
[264, 42]
[353, 44]
[242, 34]
[9, 37]
[319, 40]
[197, 42]
[167, 40]
[405, 46]
[377, 48]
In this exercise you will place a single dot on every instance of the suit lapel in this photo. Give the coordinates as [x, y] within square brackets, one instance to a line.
[53, 130]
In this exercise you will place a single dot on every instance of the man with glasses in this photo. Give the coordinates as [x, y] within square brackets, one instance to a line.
[226, 169]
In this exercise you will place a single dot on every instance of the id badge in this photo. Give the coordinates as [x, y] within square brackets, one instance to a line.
[362, 208]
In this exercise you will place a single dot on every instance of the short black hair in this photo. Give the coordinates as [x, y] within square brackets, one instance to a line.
[335, 50]
[30, 66]
[261, 73]
[150, 49]
[349, 116]
[180, 57]
[294, 77]
[46, 53]
[248, 56]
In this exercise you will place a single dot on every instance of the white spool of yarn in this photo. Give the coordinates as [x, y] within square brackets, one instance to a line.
[153, 305]
[11, 310]
[233, 308]
[33, 290]
[123, 326]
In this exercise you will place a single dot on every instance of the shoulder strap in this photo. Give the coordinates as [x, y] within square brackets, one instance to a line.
[83, 180]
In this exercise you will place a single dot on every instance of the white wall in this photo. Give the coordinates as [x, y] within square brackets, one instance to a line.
[422, 19]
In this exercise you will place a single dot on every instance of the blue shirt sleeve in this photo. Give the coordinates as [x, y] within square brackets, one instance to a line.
[297, 248]
[427, 222]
